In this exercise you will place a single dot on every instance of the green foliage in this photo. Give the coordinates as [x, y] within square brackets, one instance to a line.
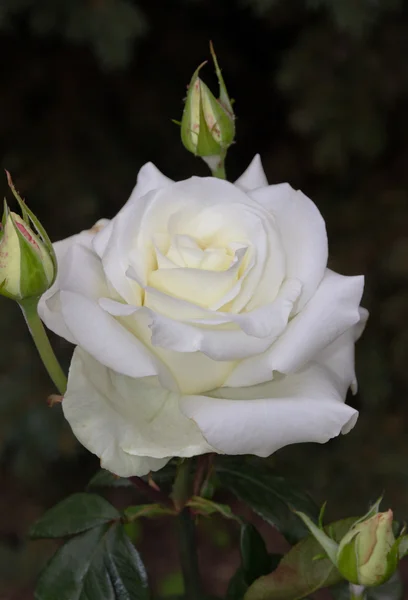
[272, 497]
[73, 515]
[300, 573]
[151, 511]
[255, 558]
[208, 507]
[256, 562]
[104, 478]
[237, 586]
[100, 563]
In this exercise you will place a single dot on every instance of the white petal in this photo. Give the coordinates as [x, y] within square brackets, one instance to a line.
[339, 356]
[254, 177]
[117, 250]
[301, 407]
[333, 309]
[194, 372]
[49, 308]
[303, 234]
[248, 334]
[81, 272]
[202, 287]
[106, 339]
[133, 425]
[149, 178]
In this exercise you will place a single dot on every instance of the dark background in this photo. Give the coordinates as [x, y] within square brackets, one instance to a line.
[88, 91]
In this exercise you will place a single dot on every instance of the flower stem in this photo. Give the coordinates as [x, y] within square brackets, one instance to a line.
[357, 592]
[182, 486]
[219, 170]
[29, 308]
[188, 556]
[216, 165]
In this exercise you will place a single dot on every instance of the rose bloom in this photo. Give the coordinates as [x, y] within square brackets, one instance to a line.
[205, 320]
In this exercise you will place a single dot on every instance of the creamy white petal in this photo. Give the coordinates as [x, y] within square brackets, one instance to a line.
[339, 356]
[117, 251]
[133, 425]
[81, 272]
[193, 372]
[107, 340]
[246, 334]
[149, 178]
[331, 311]
[303, 234]
[49, 308]
[253, 177]
[200, 286]
[300, 407]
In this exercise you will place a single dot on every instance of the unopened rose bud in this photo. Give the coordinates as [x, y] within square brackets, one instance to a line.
[207, 126]
[368, 554]
[365, 554]
[27, 260]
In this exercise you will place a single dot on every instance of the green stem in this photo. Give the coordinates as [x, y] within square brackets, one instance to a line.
[357, 592]
[182, 486]
[29, 308]
[188, 556]
[216, 165]
[219, 170]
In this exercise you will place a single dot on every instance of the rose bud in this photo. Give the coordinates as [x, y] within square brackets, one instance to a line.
[368, 554]
[207, 126]
[27, 260]
[365, 553]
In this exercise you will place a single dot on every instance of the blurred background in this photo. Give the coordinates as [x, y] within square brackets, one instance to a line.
[88, 91]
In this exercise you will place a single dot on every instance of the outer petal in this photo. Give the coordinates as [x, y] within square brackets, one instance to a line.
[332, 310]
[149, 178]
[107, 340]
[301, 407]
[303, 234]
[239, 336]
[194, 372]
[339, 356]
[254, 177]
[133, 425]
[49, 308]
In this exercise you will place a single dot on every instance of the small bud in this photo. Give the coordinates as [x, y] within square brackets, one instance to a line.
[207, 126]
[365, 554]
[368, 553]
[27, 259]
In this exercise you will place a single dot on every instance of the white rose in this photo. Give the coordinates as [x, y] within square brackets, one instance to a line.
[205, 320]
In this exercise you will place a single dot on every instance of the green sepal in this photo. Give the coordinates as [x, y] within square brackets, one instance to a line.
[207, 125]
[393, 558]
[207, 507]
[328, 545]
[224, 97]
[223, 129]
[30, 219]
[372, 511]
[321, 515]
[33, 278]
[193, 124]
[347, 561]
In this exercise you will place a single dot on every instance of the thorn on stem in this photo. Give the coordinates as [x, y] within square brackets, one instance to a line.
[54, 399]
